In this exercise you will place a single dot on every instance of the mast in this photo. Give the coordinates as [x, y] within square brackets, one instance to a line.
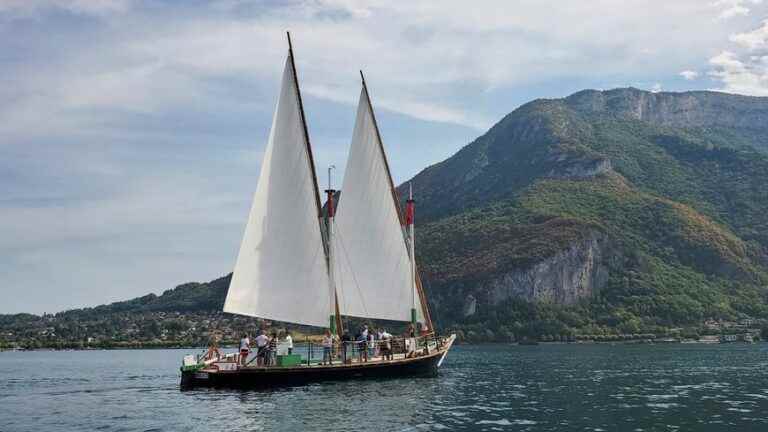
[409, 214]
[335, 319]
[304, 126]
[416, 278]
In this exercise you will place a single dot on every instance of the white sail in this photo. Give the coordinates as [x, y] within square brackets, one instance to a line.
[281, 271]
[374, 278]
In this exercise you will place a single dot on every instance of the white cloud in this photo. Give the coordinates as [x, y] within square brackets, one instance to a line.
[656, 88]
[753, 40]
[734, 8]
[85, 7]
[737, 76]
[424, 58]
[421, 111]
[689, 75]
[743, 69]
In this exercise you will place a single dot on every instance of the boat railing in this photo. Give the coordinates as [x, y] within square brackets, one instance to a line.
[311, 353]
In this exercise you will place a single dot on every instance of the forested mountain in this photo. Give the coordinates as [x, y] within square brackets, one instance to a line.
[618, 211]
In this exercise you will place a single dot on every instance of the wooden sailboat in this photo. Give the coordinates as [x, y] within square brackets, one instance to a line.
[299, 265]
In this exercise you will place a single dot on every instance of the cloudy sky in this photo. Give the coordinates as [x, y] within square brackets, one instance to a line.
[131, 132]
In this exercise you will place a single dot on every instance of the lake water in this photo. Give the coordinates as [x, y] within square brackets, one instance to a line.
[480, 388]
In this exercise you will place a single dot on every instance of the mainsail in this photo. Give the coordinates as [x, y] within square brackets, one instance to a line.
[281, 271]
[374, 278]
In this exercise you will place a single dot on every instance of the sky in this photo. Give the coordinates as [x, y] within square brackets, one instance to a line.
[131, 132]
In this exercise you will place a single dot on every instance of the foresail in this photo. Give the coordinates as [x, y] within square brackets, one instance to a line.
[374, 278]
[281, 271]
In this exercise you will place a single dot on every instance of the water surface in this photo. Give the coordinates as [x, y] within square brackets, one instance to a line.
[481, 388]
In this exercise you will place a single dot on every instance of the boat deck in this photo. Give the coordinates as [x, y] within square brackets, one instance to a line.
[352, 362]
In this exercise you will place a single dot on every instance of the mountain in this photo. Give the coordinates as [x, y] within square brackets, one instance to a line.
[606, 211]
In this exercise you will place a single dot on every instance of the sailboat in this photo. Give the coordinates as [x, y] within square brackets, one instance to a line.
[303, 265]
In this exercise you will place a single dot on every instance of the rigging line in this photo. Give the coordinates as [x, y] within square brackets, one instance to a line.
[339, 287]
[345, 318]
[430, 317]
[352, 272]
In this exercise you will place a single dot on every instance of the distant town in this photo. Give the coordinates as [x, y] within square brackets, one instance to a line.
[128, 330]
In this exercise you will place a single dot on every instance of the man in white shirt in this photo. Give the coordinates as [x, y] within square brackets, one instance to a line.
[261, 345]
[386, 345]
[245, 348]
[327, 348]
[289, 342]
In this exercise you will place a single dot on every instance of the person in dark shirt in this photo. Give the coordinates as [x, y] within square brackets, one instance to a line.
[346, 339]
[362, 346]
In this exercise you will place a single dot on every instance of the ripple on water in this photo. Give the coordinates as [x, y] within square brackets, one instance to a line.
[658, 397]
[506, 422]
[662, 405]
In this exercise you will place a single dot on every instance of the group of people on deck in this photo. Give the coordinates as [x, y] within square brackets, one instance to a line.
[365, 345]
[266, 347]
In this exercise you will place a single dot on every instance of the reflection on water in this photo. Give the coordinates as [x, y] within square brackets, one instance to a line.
[481, 388]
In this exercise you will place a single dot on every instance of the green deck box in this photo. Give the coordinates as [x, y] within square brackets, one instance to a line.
[289, 360]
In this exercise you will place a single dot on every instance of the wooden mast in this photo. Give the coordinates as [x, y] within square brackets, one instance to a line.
[311, 163]
[304, 125]
[396, 199]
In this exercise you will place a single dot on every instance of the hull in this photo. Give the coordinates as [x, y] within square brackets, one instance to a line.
[268, 377]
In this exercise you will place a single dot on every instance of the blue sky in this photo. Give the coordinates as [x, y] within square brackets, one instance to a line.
[131, 132]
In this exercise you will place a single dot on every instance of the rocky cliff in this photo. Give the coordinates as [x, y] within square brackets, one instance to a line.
[570, 275]
[689, 109]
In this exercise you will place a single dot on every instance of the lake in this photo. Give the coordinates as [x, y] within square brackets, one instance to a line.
[480, 388]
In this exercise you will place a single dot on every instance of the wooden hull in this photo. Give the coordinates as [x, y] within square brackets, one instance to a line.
[261, 377]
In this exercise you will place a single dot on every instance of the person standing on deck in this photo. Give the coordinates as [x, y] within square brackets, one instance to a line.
[345, 341]
[386, 345]
[363, 342]
[372, 344]
[362, 346]
[380, 342]
[327, 347]
[261, 347]
[336, 351]
[289, 342]
[410, 334]
[245, 348]
[272, 350]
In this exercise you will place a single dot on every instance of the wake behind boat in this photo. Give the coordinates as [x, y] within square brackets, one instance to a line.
[299, 264]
